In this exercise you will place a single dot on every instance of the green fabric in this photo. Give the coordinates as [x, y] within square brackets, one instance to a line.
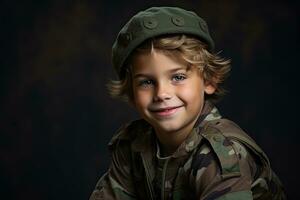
[225, 153]
[202, 166]
[154, 22]
[120, 191]
[241, 195]
[120, 194]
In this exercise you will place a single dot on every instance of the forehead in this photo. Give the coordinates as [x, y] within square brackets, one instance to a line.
[157, 61]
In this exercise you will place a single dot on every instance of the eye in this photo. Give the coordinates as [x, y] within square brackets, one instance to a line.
[178, 77]
[145, 83]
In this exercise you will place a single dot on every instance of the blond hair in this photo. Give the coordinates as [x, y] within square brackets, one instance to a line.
[213, 68]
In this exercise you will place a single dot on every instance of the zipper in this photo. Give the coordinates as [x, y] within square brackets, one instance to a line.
[164, 179]
[149, 184]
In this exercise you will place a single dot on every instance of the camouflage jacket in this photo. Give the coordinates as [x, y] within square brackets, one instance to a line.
[217, 161]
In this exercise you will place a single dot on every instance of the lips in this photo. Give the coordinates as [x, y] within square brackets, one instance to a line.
[165, 112]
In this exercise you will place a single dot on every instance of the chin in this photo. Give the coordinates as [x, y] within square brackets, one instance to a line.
[167, 127]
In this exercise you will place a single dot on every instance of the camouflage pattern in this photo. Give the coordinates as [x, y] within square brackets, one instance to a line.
[217, 161]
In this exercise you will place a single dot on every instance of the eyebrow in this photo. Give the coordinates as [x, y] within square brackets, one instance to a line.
[169, 71]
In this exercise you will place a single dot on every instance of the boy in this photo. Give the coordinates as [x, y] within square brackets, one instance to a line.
[182, 148]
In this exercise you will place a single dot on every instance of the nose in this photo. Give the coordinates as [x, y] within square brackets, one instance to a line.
[163, 91]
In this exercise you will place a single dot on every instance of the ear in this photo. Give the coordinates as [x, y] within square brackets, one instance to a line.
[209, 88]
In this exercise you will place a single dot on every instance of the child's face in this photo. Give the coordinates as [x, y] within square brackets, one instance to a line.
[167, 93]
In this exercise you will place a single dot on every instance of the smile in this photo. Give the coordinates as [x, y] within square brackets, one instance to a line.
[165, 112]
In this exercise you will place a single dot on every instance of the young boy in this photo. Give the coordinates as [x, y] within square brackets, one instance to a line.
[182, 148]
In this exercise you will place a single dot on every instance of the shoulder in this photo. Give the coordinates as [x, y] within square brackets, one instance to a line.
[223, 145]
[237, 156]
[226, 127]
[220, 147]
[229, 132]
[222, 164]
[217, 168]
[235, 152]
[121, 147]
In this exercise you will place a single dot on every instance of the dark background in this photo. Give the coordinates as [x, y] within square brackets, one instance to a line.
[56, 116]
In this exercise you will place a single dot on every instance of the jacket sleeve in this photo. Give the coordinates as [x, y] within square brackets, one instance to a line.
[210, 181]
[116, 183]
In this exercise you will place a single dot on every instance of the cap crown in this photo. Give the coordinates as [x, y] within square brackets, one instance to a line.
[154, 22]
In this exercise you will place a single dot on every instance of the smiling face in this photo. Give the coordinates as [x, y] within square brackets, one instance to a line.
[167, 92]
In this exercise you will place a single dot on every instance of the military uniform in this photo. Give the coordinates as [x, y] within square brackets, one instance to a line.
[216, 161]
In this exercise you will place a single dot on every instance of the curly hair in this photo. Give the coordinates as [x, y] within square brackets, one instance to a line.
[214, 69]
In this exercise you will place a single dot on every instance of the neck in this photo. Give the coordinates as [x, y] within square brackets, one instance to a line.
[170, 141]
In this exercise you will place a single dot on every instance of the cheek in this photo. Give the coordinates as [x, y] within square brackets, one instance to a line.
[142, 98]
[191, 93]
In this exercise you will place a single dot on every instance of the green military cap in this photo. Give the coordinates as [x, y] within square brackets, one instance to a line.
[154, 22]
